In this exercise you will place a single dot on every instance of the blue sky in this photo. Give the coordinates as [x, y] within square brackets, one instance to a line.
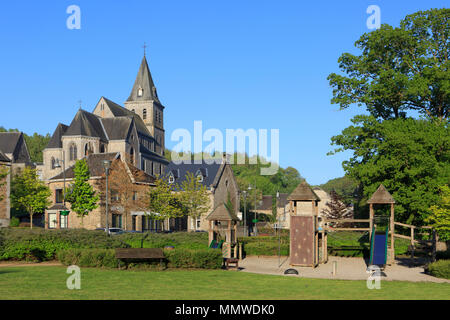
[232, 64]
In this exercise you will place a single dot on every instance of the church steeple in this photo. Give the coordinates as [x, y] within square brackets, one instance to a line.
[144, 88]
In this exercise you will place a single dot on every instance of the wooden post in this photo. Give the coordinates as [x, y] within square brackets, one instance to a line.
[371, 219]
[211, 232]
[392, 232]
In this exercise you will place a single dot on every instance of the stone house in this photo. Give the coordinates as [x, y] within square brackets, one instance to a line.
[5, 186]
[56, 218]
[14, 147]
[219, 180]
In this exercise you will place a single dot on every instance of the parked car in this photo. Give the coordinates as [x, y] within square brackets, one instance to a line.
[112, 230]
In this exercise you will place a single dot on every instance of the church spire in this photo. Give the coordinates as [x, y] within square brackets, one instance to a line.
[143, 89]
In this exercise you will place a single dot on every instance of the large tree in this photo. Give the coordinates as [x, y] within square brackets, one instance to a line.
[194, 197]
[29, 193]
[440, 214]
[399, 69]
[81, 194]
[411, 158]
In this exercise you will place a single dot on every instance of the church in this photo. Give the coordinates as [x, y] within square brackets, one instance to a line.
[136, 131]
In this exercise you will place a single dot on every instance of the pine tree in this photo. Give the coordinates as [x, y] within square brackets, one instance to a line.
[81, 194]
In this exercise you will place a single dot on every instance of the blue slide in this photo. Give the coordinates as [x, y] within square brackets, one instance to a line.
[378, 248]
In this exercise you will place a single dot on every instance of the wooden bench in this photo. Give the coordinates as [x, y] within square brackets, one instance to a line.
[231, 263]
[139, 254]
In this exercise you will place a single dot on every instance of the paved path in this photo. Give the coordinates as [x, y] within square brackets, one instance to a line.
[347, 269]
[28, 264]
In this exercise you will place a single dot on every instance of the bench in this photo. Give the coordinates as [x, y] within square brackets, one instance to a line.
[139, 254]
[231, 263]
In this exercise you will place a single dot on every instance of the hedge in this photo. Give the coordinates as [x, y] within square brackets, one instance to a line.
[42, 245]
[176, 258]
[439, 269]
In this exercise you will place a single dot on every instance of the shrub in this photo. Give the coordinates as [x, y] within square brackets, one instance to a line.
[187, 258]
[98, 258]
[41, 244]
[14, 222]
[439, 269]
[187, 240]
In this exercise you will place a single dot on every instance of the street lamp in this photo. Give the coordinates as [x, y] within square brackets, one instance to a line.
[245, 217]
[106, 166]
[58, 165]
[278, 228]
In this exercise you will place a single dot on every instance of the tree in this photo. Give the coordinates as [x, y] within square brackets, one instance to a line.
[411, 158]
[81, 194]
[336, 208]
[122, 183]
[399, 69]
[345, 187]
[194, 197]
[29, 193]
[163, 202]
[440, 214]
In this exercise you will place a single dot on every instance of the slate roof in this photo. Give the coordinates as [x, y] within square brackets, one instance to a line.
[9, 141]
[119, 111]
[86, 124]
[55, 141]
[117, 128]
[179, 171]
[221, 213]
[152, 155]
[303, 192]
[381, 196]
[144, 80]
[265, 203]
[3, 157]
[283, 200]
[95, 164]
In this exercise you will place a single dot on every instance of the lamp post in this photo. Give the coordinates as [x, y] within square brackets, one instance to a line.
[106, 165]
[278, 228]
[58, 165]
[245, 217]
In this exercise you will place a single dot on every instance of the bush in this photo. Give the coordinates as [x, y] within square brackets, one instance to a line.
[176, 258]
[186, 258]
[14, 222]
[186, 240]
[42, 245]
[439, 269]
[98, 258]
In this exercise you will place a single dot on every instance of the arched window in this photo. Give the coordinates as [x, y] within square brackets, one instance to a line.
[132, 156]
[102, 148]
[53, 163]
[88, 149]
[144, 114]
[140, 92]
[73, 153]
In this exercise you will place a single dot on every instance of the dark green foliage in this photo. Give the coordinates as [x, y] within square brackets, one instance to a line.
[96, 258]
[199, 258]
[14, 222]
[185, 240]
[42, 245]
[344, 187]
[440, 269]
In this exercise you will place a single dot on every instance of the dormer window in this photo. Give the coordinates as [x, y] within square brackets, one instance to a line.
[140, 92]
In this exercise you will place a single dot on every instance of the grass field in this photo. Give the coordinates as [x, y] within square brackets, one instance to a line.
[39, 282]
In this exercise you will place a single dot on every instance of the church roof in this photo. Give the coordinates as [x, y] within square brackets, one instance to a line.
[119, 111]
[55, 141]
[145, 82]
[381, 196]
[117, 128]
[9, 141]
[221, 213]
[86, 124]
[303, 192]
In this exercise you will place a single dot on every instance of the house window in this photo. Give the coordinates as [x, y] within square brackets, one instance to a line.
[59, 196]
[63, 221]
[135, 196]
[171, 178]
[102, 148]
[73, 152]
[198, 223]
[144, 114]
[117, 221]
[143, 164]
[52, 220]
[132, 156]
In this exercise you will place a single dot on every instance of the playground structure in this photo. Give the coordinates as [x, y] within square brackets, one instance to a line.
[308, 240]
[222, 232]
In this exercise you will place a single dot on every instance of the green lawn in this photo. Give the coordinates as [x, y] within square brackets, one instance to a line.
[50, 283]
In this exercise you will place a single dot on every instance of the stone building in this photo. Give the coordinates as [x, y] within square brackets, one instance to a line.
[136, 131]
[219, 180]
[5, 185]
[14, 147]
[55, 217]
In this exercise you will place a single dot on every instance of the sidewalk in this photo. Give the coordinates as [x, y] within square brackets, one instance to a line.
[347, 269]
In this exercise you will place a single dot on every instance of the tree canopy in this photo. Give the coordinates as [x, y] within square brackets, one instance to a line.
[399, 69]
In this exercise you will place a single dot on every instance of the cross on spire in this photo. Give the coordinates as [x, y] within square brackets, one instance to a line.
[79, 102]
[145, 47]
